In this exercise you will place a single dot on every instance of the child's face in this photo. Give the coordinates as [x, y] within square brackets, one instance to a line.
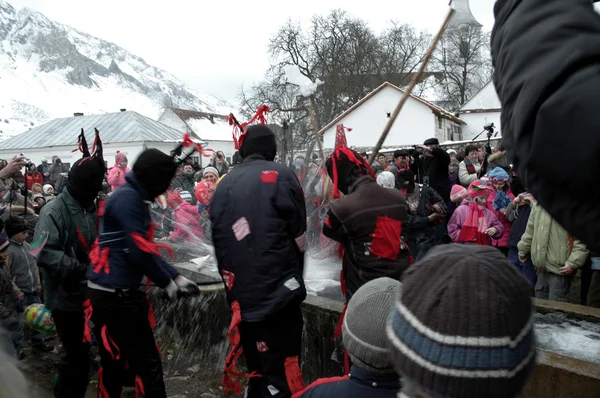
[481, 200]
[50, 191]
[20, 237]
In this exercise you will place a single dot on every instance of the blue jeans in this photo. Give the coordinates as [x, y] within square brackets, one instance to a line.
[36, 337]
[526, 268]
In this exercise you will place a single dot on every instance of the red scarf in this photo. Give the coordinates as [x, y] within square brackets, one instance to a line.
[474, 227]
[470, 167]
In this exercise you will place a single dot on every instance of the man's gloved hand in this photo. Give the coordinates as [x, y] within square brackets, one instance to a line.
[187, 285]
[172, 289]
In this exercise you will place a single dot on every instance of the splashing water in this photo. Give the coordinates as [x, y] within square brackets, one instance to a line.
[569, 337]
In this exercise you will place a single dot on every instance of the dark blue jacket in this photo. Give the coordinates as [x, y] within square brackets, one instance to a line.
[519, 225]
[257, 213]
[127, 212]
[359, 384]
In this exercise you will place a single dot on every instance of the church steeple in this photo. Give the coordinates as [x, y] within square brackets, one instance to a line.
[463, 15]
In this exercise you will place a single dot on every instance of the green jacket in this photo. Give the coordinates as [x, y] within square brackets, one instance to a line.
[64, 259]
[548, 243]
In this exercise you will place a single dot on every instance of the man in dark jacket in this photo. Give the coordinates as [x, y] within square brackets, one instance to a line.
[70, 222]
[367, 221]
[258, 216]
[434, 164]
[372, 374]
[425, 226]
[124, 253]
[549, 106]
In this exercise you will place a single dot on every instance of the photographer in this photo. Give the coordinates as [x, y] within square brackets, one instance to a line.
[434, 165]
[220, 163]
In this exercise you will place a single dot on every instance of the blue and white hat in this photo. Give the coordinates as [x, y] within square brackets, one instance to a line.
[463, 325]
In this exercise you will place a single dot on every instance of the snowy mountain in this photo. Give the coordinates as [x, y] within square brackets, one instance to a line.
[50, 70]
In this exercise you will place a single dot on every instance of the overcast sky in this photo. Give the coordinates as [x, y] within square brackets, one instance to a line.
[216, 46]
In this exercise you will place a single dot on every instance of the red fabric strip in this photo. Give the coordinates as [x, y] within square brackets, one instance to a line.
[139, 387]
[102, 393]
[87, 316]
[293, 374]
[107, 342]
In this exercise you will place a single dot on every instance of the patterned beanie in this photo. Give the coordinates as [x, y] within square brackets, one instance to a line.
[186, 196]
[458, 193]
[472, 333]
[363, 329]
[477, 189]
[498, 174]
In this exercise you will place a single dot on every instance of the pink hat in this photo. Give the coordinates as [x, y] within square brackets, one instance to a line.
[120, 156]
[458, 193]
[477, 189]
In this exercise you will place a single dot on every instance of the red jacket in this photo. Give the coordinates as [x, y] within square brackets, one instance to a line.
[33, 178]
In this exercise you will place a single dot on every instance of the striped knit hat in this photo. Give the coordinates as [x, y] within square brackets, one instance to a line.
[458, 193]
[463, 326]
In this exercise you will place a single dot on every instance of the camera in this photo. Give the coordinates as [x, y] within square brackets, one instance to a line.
[24, 157]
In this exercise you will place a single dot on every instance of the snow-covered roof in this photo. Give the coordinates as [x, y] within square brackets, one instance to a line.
[116, 127]
[486, 100]
[438, 111]
[207, 126]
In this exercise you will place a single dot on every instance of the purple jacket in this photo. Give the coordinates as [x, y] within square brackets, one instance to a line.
[460, 215]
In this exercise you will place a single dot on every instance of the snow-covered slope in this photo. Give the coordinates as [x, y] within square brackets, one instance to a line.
[50, 70]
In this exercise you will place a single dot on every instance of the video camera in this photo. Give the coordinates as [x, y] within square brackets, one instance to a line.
[489, 127]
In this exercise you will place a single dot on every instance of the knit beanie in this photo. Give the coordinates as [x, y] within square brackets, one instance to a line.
[154, 170]
[458, 193]
[477, 189]
[472, 334]
[46, 188]
[363, 329]
[498, 174]
[119, 157]
[14, 225]
[208, 170]
[258, 139]
[386, 179]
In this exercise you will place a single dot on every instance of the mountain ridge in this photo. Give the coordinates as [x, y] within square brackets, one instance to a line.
[48, 70]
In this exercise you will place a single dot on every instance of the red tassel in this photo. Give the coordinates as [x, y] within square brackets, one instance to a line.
[187, 141]
[87, 316]
[139, 387]
[84, 244]
[107, 342]
[149, 246]
[102, 393]
[151, 319]
[99, 258]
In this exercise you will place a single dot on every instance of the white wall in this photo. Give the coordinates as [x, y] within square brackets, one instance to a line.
[169, 118]
[476, 121]
[415, 123]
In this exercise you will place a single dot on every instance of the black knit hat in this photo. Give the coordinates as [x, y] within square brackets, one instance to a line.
[431, 141]
[463, 327]
[154, 170]
[258, 139]
[15, 225]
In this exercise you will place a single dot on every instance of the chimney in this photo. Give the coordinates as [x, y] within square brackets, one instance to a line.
[76, 114]
[123, 109]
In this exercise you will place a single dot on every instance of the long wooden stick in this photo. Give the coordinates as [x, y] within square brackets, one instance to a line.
[312, 110]
[410, 88]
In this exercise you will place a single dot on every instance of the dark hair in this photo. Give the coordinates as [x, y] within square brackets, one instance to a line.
[380, 155]
[471, 148]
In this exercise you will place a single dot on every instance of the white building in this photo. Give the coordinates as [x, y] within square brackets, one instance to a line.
[210, 127]
[418, 121]
[482, 109]
[126, 131]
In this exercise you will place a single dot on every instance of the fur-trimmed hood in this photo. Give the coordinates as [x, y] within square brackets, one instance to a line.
[18, 209]
[495, 156]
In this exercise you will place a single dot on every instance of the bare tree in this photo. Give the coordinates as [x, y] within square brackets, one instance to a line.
[464, 57]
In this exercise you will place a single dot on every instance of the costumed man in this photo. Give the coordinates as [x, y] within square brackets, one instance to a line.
[70, 224]
[259, 223]
[124, 253]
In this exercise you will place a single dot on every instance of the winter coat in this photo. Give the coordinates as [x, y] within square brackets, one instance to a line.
[460, 215]
[9, 318]
[368, 222]
[550, 244]
[503, 241]
[551, 103]
[56, 169]
[518, 216]
[435, 171]
[24, 271]
[463, 174]
[30, 218]
[116, 177]
[418, 223]
[64, 259]
[185, 183]
[43, 169]
[118, 261]
[359, 384]
[257, 214]
[187, 224]
[499, 159]
[33, 178]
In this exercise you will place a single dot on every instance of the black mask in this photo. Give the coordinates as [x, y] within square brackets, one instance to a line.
[259, 140]
[154, 170]
[87, 174]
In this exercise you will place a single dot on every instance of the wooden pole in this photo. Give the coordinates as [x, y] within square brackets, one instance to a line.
[410, 88]
[312, 110]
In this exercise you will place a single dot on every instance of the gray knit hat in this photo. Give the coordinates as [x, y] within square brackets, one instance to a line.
[463, 327]
[363, 330]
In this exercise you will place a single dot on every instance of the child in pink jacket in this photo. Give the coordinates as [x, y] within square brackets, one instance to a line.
[472, 222]
[498, 200]
[187, 227]
[116, 175]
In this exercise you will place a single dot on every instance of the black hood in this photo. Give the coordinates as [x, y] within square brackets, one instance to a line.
[154, 170]
[258, 139]
[87, 174]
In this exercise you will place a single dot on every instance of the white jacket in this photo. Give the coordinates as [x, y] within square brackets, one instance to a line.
[463, 174]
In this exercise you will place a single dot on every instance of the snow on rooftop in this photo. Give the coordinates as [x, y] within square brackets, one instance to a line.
[209, 131]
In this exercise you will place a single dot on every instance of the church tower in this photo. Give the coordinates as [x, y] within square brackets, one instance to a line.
[463, 15]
